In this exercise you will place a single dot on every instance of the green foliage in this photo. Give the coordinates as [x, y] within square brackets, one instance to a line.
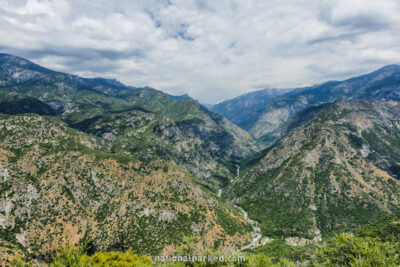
[386, 228]
[230, 224]
[7, 234]
[349, 250]
[356, 141]
[344, 249]
[19, 263]
[68, 257]
[116, 259]
[279, 249]
[75, 257]
[259, 260]
[188, 245]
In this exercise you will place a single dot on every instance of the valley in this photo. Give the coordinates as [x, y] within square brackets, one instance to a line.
[121, 168]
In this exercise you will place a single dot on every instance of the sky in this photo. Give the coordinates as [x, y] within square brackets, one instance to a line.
[211, 50]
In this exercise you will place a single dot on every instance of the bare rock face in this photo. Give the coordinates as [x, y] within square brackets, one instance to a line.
[166, 216]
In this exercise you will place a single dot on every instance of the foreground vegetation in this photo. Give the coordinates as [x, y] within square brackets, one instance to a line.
[375, 244]
[343, 250]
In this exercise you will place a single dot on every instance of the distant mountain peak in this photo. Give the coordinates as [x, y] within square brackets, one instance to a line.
[6, 55]
[12, 62]
[105, 81]
[182, 97]
[11, 58]
[393, 68]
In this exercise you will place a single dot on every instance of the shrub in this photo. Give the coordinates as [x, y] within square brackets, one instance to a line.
[68, 257]
[259, 260]
[76, 257]
[349, 250]
[116, 259]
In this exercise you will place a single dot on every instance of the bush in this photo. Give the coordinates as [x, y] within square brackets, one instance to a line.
[68, 257]
[76, 257]
[259, 260]
[116, 259]
[349, 250]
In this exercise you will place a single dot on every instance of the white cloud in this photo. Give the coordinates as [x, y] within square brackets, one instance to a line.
[212, 50]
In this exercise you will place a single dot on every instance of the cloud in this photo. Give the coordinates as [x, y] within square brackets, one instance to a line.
[211, 50]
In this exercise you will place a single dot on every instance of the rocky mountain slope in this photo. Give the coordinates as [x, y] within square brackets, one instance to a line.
[188, 143]
[269, 114]
[332, 172]
[59, 186]
[244, 110]
[125, 167]
[27, 87]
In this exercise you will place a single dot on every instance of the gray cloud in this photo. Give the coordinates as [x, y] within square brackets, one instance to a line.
[340, 37]
[211, 50]
[80, 54]
[365, 21]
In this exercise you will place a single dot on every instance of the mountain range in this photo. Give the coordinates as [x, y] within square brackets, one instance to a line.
[268, 110]
[122, 167]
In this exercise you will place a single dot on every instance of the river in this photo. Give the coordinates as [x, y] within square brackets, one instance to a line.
[257, 239]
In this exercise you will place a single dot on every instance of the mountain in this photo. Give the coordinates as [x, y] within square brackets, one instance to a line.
[109, 82]
[245, 109]
[120, 167]
[125, 167]
[60, 185]
[76, 101]
[265, 117]
[204, 147]
[335, 171]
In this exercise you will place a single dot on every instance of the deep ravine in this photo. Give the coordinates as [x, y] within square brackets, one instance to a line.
[257, 239]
